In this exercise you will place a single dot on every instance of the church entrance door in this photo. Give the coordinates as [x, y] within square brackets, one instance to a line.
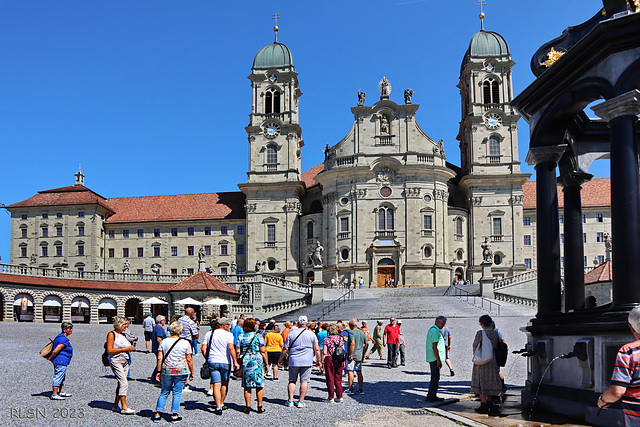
[386, 273]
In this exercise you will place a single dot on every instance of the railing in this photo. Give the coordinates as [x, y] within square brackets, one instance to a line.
[385, 140]
[343, 235]
[459, 237]
[494, 159]
[425, 158]
[337, 303]
[271, 167]
[516, 300]
[269, 244]
[514, 280]
[286, 283]
[385, 234]
[485, 304]
[427, 233]
[496, 238]
[285, 305]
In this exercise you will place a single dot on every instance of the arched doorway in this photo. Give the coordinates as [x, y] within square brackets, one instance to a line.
[107, 309]
[133, 310]
[310, 277]
[80, 310]
[386, 273]
[52, 308]
[23, 308]
[459, 273]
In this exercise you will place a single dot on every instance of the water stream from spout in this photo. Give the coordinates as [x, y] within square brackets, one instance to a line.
[535, 398]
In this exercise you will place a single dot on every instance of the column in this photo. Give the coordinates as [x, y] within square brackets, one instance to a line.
[621, 114]
[66, 311]
[573, 242]
[38, 312]
[545, 160]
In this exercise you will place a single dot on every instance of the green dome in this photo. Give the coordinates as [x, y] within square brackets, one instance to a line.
[486, 44]
[275, 55]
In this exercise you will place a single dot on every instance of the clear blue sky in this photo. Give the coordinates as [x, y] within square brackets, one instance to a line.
[152, 97]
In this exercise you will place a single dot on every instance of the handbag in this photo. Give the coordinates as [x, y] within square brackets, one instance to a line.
[47, 350]
[105, 354]
[484, 352]
[238, 373]
[205, 373]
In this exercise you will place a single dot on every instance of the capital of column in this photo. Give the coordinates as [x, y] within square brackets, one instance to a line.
[549, 154]
[574, 179]
[627, 104]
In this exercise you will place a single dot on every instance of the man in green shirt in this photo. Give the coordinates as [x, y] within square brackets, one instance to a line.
[377, 340]
[357, 347]
[435, 356]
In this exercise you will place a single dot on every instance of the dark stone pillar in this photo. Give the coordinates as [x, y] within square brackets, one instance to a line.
[545, 160]
[621, 114]
[573, 243]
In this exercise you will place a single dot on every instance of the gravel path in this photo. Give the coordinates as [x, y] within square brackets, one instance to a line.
[390, 393]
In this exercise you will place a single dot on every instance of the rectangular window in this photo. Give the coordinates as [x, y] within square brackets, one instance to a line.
[241, 229]
[428, 222]
[271, 232]
[23, 252]
[112, 252]
[125, 234]
[23, 216]
[207, 250]
[23, 232]
[59, 250]
[81, 214]
[223, 230]
[174, 271]
[526, 220]
[527, 240]
[81, 230]
[561, 218]
[240, 270]
[45, 215]
[600, 259]
[156, 251]
[174, 251]
[561, 238]
[527, 262]
[156, 232]
[190, 231]
[207, 231]
[45, 251]
[59, 215]
[101, 252]
[125, 252]
[223, 270]
[140, 273]
[80, 249]
[190, 250]
[190, 271]
[584, 237]
[344, 224]
[59, 231]
[562, 262]
[140, 232]
[223, 250]
[45, 232]
[497, 226]
[240, 249]
[140, 252]
[599, 218]
[584, 219]
[585, 261]
[174, 232]
[599, 237]
[112, 234]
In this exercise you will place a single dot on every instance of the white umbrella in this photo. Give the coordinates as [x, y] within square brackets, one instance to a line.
[218, 301]
[188, 301]
[154, 300]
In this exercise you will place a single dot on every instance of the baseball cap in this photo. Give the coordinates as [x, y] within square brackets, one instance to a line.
[399, 321]
[223, 321]
[302, 319]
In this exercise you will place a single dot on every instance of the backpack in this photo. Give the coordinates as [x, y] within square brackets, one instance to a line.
[339, 355]
[501, 353]
[105, 355]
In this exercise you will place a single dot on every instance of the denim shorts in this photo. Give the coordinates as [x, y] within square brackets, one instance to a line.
[219, 372]
[59, 373]
[354, 366]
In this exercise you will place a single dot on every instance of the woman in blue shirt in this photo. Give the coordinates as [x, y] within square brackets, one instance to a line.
[61, 357]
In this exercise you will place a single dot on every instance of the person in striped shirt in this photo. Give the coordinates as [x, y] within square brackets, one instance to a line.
[625, 381]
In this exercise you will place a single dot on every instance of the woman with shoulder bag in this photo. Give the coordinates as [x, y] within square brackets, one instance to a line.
[252, 355]
[61, 357]
[118, 348]
[485, 377]
[333, 368]
[175, 364]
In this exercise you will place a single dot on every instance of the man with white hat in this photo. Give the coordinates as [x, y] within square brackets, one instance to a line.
[301, 345]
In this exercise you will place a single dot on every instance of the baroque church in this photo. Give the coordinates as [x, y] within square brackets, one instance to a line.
[385, 206]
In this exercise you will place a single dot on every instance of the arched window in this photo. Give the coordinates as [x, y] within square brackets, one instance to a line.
[459, 226]
[385, 218]
[428, 251]
[494, 146]
[310, 230]
[491, 92]
[344, 254]
[272, 154]
[272, 101]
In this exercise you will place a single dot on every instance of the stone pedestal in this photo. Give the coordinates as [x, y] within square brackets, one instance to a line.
[317, 291]
[201, 266]
[486, 281]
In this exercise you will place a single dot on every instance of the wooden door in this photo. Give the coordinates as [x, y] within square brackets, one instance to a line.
[384, 273]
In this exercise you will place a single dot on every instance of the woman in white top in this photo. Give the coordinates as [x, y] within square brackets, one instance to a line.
[118, 348]
[175, 364]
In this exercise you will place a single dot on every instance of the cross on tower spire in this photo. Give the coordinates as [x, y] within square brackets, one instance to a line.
[481, 3]
[275, 28]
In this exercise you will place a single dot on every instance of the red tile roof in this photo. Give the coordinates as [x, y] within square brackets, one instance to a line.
[602, 273]
[72, 195]
[308, 176]
[177, 207]
[596, 192]
[52, 282]
[203, 282]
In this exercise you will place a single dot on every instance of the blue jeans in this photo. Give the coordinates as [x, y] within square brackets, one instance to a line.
[59, 373]
[219, 372]
[171, 383]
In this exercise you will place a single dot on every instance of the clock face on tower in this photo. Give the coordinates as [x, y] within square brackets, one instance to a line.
[492, 120]
[271, 130]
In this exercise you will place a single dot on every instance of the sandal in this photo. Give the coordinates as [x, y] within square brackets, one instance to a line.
[260, 409]
[247, 410]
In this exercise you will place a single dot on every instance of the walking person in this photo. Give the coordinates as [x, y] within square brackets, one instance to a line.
[377, 340]
[446, 335]
[148, 323]
[401, 344]
[251, 351]
[357, 345]
[435, 356]
[301, 345]
[158, 334]
[118, 349]
[220, 352]
[61, 357]
[322, 334]
[190, 332]
[391, 338]
[274, 343]
[175, 366]
[332, 366]
[485, 379]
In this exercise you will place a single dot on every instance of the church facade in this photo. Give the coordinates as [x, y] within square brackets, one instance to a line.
[385, 207]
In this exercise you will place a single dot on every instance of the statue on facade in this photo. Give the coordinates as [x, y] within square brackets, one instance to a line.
[384, 124]
[487, 255]
[96, 267]
[184, 270]
[408, 93]
[201, 253]
[441, 147]
[607, 241]
[257, 268]
[361, 97]
[125, 267]
[385, 88]
[155, 269]
[234, 267]
[33, 260]
[317, 255]
[245, 294]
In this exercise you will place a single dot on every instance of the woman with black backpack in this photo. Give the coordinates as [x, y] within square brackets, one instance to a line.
[333, 355]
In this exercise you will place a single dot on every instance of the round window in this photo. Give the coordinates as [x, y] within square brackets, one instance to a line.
[385, 191]
[427, 251]
[427, 198]
[344, 201]
[345, 254]
[272, 265]
[497, 259]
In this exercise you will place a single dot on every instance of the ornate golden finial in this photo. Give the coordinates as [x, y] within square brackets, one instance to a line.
[636, 4]
[275, 27]
[481, 3]
[552, 56]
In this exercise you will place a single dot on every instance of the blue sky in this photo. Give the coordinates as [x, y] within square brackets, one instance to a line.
[152, 97]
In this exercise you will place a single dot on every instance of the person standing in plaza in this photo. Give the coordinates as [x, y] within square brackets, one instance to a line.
[118, 349]
[158, 334]
[485, 379]
[175, 368]
[391, 338]
[251, 351]
[134, 342]
[332, 367]
[61, 357]
[435, 356]
[401, 344]
[357, 345]
[189, 333]
[377, 340]
[274, 343]
[301, 345]
[446, 335]
[322, 334]
[148, 323]
[218, 345]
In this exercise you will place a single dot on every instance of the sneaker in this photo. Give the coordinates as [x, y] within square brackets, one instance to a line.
[494, 410]
[339, 400]
[350, 391]
[290, 404]
[115, 409]
[275, 378]
[453, 374]
[217, 411]
[56, 397]
[188, 389]
[64, 394]
[175, 418]
[127, 411]
[224, 407]
[301, 404]
[156, 418]
[361, 391]
[332, 400]
[209, 392]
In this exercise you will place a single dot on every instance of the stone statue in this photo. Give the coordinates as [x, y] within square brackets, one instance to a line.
[245, 294]
[317, 255]
[441, 147]
[326, 151]
[385, 88]
[155, 269]
[361, 97]
[607, 241]
[487, 255]
[201, 253]
[97, 267]
[125, 267]
[234, 267]
[184, 271]
[257, 268]
[33, 260]
[408, 93]
[384, 124]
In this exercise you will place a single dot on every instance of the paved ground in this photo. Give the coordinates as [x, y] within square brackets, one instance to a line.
[390, 393]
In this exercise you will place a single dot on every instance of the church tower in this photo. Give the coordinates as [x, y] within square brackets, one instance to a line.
[490, 169]
[273, 188]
